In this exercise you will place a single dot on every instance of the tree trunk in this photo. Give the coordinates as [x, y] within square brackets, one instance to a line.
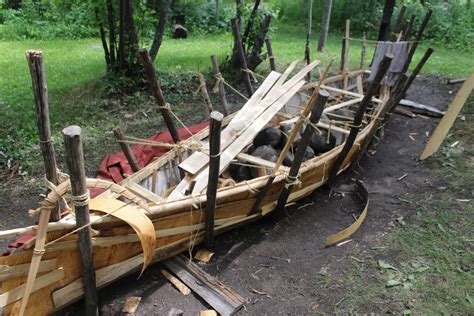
[249, 26]
[384, 31]
[111, 24]
[255, 57]
[323, 34]
[234, 60]
[160, 28]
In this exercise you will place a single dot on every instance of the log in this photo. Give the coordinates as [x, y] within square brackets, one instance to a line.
[271, 57]
[214, 166]
[242, 57]
[448, 120]
[204, 93]
[373, 88]
[292, 178]
[218, 75]
[75, 163]
[158, 94]
[40, 93]
[126, 149]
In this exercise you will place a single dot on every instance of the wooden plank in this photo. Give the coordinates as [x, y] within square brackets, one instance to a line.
[176, 282]
[198, 160]
[349, 93]
[144, 193]
[448, 119]
[8, 272]
[39, 283]
[246, 137]
[259, 161]
[223, 299]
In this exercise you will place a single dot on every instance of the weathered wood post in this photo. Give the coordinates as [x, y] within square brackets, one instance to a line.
[345, 47]
[40, 93]
[241, 54]
[292, 177]
[418, 36]
[80, 195]
[358, 117]
[204, 93]
[214, 165]
[220, 84]
[127, 151]
[307, 51]
[397, 28]
[157, 93]
[271, 57]
[363, 50]
[408, 27]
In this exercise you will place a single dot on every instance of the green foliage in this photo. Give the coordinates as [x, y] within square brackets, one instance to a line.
[47, 20]
[451, 25]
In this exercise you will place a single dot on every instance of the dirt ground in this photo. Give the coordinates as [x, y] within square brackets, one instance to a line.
[284, 255]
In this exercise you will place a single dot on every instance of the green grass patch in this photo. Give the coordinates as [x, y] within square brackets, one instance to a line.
[74, 69]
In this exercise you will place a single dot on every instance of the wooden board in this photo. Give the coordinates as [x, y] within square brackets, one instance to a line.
[448, 119]
[9, 272]
[245, 138]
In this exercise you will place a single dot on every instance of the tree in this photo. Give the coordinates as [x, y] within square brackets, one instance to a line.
[120, 50]
[323, 34]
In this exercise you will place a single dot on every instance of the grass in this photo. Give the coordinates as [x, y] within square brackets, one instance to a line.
[427, 261]
[74, 69]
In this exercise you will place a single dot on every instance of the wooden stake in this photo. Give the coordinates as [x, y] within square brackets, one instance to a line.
[448, 120]
[75, 163]
[271, 57]
[242, 57]
[408, 28]
[398, 24]
[158, 94]
[373, 88]
[218, 75]
[307, 51]
[363, 51]
[214, 166]
[40, 93]
[345, 47]
[418, 36]
[204, 93]
[292, 177]
[126, 149]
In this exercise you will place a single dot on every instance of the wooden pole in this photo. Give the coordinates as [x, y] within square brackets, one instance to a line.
[363, 50]
[292, 177]
[418, 36]
[40, 93]
[126, 149]
[204, 93]
[384, 31]
[241, 54]
[218, 76]
[307, 51]
[345, 47]
[157, 93]
[271, 57]
[358, 117]
[214, 166]
[407, 32]
[397, 28]
[75, 163]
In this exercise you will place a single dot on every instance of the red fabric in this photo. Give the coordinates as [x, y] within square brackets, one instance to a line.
[115, 166]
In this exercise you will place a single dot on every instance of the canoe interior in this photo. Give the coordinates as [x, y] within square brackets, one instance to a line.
[178, 223]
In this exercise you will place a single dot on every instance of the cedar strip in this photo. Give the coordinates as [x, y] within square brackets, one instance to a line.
[374, 87]
[126, 149]
[316, 112]
[214, 166]
[40, 93]
[217, 74]
[75, 163]
[157, 93]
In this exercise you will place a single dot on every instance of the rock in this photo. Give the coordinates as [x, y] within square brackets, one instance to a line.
[265, 152]
[242, 173]
[319, 142]
[289, 157]
[309, 154]
[286, 131]
[179, 31]
[268, 136]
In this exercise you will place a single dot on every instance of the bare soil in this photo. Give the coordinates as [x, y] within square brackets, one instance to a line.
[283, 255]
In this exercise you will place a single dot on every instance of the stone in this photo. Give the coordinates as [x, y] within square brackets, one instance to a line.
[179, 31]
[320, 144]
[268, 136]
